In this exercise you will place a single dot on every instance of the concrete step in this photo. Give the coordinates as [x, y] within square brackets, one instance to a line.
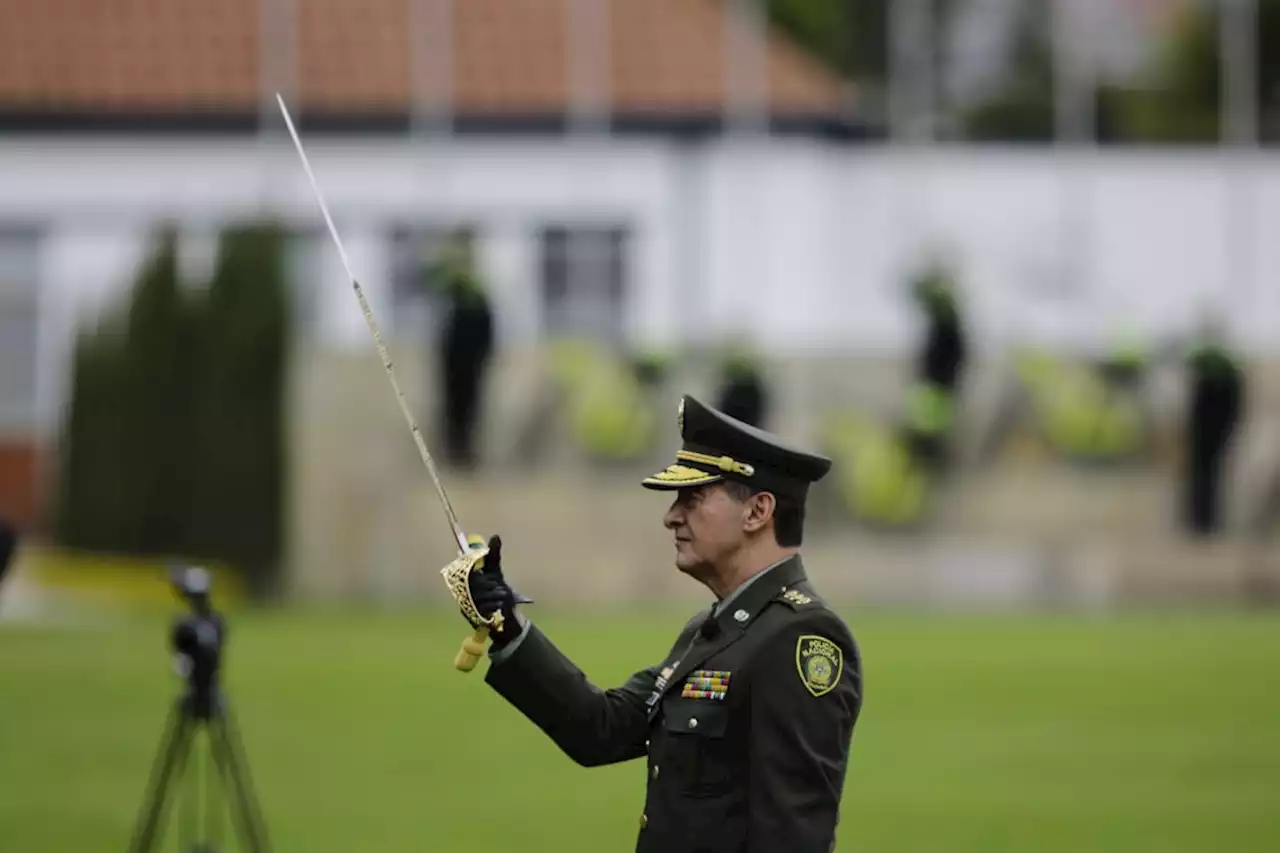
[1051, 502]
[576, 540]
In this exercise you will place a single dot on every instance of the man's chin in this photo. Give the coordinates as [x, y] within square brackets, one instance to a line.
[690, 565]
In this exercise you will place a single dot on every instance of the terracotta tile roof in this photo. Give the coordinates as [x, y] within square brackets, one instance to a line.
[135, 54]
[353, 55]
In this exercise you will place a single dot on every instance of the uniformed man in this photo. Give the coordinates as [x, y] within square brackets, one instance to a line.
[1217, 399]
[745, 723]
[935, 391]
[466, 349]
[945, 347]
[743, 394]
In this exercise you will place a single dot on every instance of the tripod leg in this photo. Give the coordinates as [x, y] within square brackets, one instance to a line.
[202, 836]
[172, 755]
[229, 754]
[189, 820]
[213, 815]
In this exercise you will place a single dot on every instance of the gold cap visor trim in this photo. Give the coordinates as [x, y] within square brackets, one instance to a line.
[680, 477]
[724, 463]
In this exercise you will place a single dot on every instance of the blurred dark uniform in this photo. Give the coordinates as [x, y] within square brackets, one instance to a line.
[466, 345]
[745, 723]
[1216, 405]
[1123, 369]
[8, 544]
[650, 370]
[742, 392]
[938, 369]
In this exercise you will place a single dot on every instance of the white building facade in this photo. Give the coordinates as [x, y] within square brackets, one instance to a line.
[799, 243]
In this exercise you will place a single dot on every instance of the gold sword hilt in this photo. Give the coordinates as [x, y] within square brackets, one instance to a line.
[456, 575]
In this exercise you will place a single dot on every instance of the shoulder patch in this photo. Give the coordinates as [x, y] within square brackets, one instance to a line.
[795, 597]
[820, 663]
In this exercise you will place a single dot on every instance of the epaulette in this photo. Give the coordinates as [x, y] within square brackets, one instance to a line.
[796, 598]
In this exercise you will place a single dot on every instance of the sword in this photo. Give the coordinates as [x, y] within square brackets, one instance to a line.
[471, 550]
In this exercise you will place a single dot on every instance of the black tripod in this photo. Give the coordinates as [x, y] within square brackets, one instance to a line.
[202, 707]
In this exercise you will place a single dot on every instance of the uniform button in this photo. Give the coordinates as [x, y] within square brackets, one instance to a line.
[644, 820]
[693, 722]
[655, 771]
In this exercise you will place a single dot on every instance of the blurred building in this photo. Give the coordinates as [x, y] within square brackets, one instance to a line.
[582, 144]
[643, 172]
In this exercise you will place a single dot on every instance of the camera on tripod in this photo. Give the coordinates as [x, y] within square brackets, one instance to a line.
[196, 640]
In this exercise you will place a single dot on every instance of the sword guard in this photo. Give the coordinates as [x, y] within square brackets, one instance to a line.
[455, 576]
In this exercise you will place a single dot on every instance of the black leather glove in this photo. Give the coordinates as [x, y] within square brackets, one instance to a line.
[491, 593]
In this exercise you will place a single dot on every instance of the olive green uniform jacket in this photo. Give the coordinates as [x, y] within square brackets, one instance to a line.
[745, 725]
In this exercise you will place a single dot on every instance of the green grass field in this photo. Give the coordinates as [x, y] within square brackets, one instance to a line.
[1155, 733]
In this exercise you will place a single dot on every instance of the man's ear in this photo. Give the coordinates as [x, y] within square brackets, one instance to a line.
[759, 511]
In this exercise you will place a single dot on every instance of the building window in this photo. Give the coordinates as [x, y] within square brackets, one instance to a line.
[584, 282]
[19, 324]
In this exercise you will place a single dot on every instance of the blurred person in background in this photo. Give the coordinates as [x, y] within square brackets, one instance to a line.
[747, 721]
[8, 544]
[1124, 367]
[939, 367]
[650, 369]
[1214, 411]
[743, 395]
[1123, 373]
[466, 346]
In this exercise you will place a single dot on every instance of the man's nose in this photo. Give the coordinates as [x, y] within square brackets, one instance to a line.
[674, 517]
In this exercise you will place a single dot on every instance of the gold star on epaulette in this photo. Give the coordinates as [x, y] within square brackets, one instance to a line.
[797, 597]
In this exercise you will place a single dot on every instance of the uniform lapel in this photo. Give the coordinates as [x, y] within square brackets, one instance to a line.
[725, 628]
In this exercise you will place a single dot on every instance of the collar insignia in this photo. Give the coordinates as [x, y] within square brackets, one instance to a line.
[796, 597]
